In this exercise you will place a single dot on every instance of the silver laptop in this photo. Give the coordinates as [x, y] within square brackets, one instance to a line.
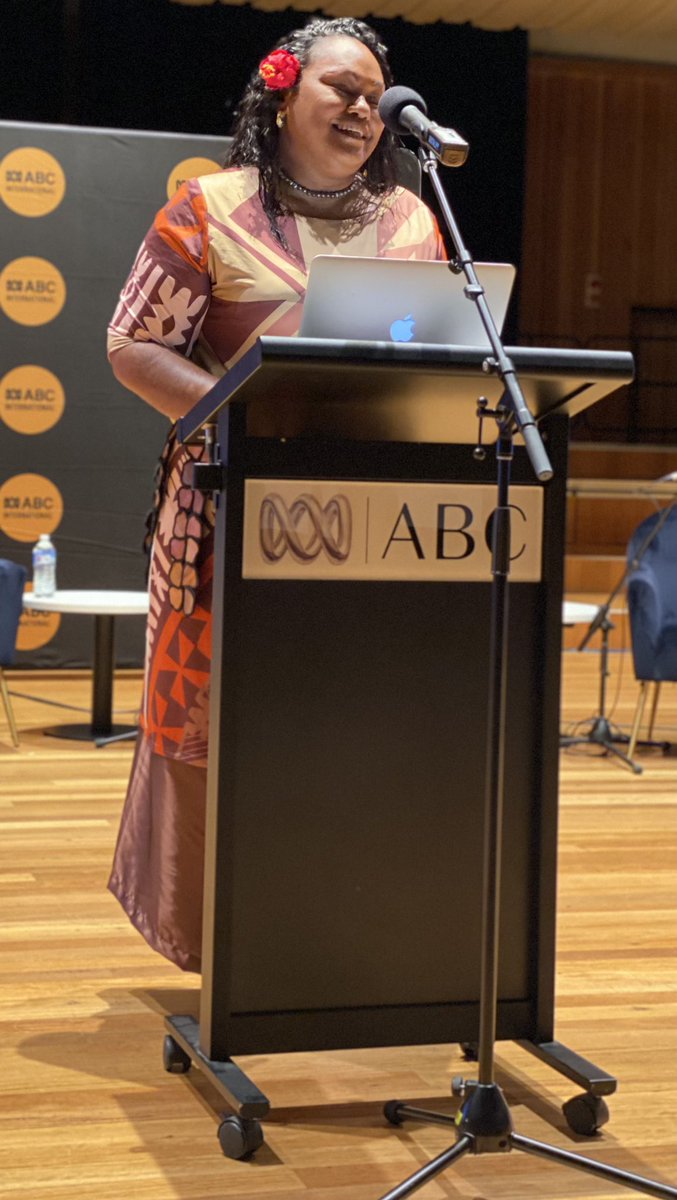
[400, 300]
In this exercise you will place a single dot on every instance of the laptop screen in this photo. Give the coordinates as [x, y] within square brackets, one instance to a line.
[400, 300]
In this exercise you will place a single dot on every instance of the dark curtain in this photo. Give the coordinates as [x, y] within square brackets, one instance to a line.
[155, 65]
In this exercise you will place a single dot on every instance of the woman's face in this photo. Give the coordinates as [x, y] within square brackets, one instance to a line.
[332, 123]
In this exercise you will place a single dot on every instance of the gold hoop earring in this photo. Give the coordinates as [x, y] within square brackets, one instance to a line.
[280, 118]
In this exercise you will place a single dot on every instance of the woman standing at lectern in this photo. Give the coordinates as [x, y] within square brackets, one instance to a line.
[310, 170]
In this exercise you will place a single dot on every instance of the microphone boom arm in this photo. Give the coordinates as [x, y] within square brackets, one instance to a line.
[498, 363]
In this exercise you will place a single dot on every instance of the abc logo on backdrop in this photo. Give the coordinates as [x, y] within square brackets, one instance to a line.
[29, 505]
[32, 291]
[32, 182]
[189, 168]
[32, 399]
[36, 629]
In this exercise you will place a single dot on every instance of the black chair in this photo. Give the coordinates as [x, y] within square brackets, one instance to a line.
[652, 606]
[12, 580]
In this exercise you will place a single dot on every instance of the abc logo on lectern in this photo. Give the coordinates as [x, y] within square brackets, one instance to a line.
[29, 505]
[32, 291]
[190, 168]
[32, 182]
[31, 399]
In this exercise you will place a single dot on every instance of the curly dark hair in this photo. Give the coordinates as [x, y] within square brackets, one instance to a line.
[255, 135]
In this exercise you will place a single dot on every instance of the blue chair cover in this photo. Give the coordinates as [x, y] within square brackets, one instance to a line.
[12, 580]
[652, 599]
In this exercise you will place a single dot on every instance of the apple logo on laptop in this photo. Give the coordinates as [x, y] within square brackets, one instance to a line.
[403, 329]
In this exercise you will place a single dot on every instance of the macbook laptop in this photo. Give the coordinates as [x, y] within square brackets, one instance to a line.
[400, 300]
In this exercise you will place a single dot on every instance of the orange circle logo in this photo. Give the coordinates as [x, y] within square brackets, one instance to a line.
[29, 505]
[190, 168]
[32, 291]
[31, 399]
[32, 182]
[36, 628]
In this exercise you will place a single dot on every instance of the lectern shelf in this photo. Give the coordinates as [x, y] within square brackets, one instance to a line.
[386, 391]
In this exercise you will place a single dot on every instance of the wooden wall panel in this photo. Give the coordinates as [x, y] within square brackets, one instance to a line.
[600, 221]
[601, 194]
[601, 208]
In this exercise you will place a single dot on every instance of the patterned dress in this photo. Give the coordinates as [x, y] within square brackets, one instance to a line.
[209, 279]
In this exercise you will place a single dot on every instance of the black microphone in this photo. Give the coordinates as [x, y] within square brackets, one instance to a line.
[403, 111]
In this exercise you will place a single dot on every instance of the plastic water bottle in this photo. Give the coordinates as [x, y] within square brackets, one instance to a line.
[44, 566]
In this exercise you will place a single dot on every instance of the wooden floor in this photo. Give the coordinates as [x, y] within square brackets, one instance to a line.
[89, 1114]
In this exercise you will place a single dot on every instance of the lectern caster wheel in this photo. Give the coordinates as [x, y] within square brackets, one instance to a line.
[174, 1058]
[239, 1138]
[391, 1112]
[586, 1113]
[470, 1051]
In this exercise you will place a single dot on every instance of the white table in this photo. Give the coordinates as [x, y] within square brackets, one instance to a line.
[104, 606]
[574, 613]
[623, 489]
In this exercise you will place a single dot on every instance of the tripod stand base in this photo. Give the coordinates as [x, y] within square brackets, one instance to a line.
[484, 1126]
[600, 734]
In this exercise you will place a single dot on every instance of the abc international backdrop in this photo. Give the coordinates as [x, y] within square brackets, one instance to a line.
[77, 451]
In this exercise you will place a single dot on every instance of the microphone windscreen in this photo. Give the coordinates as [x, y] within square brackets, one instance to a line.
[393, 101]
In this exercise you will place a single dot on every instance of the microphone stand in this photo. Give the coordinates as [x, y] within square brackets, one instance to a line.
[484, 1125]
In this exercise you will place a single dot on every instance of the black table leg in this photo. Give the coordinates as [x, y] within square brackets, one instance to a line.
[101, 725]
[102, 675]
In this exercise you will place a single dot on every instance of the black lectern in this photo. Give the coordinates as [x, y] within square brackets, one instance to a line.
[348, 707]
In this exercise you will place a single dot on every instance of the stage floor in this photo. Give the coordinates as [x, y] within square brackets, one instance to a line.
[88, 1112]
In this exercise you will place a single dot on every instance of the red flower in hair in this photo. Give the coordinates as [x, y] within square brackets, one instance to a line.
[279, 70]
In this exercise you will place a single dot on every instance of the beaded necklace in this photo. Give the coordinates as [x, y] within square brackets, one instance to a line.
[319, 193]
